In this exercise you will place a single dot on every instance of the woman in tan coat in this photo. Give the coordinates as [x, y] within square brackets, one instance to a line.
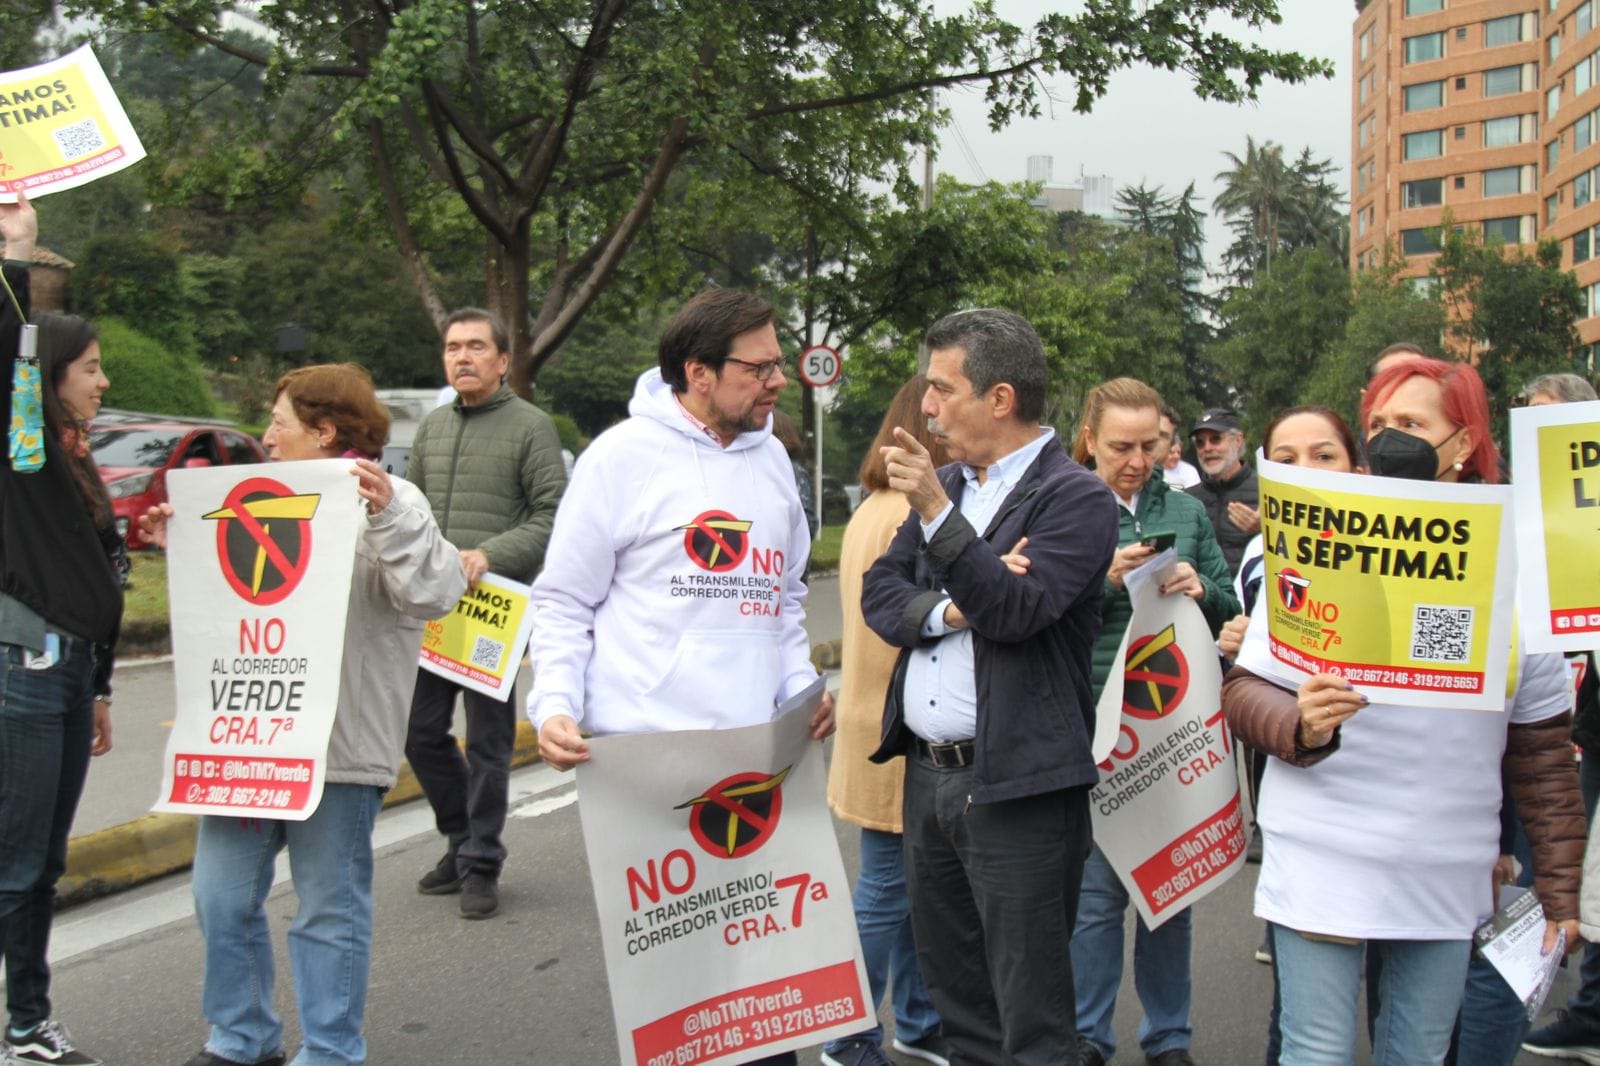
[869, 795]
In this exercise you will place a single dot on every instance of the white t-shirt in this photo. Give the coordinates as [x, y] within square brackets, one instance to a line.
[1182, 476]
[1393, 836]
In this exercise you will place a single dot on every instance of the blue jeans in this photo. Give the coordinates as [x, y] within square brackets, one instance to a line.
[1319, 983]
[330, 942]
[1160, 966]
[1493, 1021]
[46, 729]
[883, 921]
[994, 896]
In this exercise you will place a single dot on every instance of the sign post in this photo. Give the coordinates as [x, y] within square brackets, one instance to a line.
[819, 367]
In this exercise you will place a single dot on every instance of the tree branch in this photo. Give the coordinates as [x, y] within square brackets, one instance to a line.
[222, 44]
[405, 236]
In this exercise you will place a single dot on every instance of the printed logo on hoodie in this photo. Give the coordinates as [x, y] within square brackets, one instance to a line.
[718, 542]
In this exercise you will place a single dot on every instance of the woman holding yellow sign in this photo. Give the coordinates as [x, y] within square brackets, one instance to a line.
[1381, 823]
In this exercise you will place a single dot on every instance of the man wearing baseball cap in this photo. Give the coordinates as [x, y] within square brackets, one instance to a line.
[1228, 486]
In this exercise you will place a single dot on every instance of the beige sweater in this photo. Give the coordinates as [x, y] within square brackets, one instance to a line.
[859, 791]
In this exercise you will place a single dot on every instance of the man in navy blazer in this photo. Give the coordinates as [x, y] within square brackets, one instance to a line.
[992, 588]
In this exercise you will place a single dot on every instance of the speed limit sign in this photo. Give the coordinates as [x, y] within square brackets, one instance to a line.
[819, 366]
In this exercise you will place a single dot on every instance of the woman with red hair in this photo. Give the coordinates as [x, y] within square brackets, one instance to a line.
[1428, 411]
[1381, 823]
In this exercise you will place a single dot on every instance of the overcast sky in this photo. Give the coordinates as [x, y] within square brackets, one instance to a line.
[1151, 127]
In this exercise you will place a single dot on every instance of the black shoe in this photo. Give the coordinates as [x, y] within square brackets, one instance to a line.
[46, 1042]
[1565, 1038]
[211, 1058]
[1088, 1054]
[480, 896]
[443, 879]
[1175, 1056]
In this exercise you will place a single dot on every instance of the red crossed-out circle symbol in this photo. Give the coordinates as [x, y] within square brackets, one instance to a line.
[1292, 588]
[738, 814]
[264, 539]
[1156, 676]
[716, 541]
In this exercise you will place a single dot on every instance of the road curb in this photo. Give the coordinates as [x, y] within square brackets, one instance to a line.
[124, 856]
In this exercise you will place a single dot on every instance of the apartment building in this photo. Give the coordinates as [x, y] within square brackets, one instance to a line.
[1487, 108]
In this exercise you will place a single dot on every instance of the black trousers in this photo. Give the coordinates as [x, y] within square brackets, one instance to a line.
[994, 898]
[468, 795]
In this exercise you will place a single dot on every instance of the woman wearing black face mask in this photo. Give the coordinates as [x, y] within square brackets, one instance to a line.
[1428, 420]
[1381, 822]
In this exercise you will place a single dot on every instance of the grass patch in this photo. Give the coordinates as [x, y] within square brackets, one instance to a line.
[825, 549]
[145, 601]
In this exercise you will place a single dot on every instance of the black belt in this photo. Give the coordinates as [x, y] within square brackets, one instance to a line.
[949, 756]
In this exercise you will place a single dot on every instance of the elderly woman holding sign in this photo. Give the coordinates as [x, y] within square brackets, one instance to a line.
[1381, 823]
[405, 573]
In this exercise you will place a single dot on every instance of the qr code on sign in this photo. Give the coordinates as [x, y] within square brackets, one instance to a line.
[79, 139]
[486, 653]
[1441, 634]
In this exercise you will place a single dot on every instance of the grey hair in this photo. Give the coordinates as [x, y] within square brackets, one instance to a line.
[1564, 388]
[998, 346]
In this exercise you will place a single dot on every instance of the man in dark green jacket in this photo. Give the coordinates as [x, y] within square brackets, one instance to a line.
[490, 465]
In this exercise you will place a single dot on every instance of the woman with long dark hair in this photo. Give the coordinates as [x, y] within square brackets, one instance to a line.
[60, 611]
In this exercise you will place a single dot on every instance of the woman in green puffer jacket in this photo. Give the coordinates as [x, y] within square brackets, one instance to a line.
[1121, 439]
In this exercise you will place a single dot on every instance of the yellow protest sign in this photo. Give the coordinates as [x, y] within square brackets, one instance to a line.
[479, 645]
[61, 125]
[1403, 587]
[1555, 467]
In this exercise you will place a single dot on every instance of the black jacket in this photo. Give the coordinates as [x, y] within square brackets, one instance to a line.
[51, 556]
[1216, 495]
[1032, 634]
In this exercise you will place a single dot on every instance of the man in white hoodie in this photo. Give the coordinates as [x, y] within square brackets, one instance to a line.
[671, 595]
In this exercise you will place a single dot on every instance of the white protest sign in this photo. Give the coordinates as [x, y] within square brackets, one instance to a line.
[259, 566]
[725, 915]
[1167, 809]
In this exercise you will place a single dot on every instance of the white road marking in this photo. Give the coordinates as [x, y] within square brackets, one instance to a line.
[535, 790]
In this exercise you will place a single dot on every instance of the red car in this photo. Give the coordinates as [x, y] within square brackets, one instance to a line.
[134, 458]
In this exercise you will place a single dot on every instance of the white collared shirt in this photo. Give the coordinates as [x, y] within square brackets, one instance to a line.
[941, 693]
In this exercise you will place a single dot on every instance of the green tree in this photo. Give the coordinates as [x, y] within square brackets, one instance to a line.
[1277, 332]
[1511, 313]
[21, 21]
[559, 125]
[302, 271]
[1273, 206]
[148, 375]
[132, 278]
[1177, 220]
[1386, 309]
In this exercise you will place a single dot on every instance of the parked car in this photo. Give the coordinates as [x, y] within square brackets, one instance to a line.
[134, 458]
[836, 503]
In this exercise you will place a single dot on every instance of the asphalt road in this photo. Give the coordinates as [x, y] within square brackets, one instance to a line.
[527, 986]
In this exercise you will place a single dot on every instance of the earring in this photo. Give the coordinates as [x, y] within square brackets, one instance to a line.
[1460, 466]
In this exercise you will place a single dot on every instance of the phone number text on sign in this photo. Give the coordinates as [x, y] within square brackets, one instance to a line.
[764, 1014]
[275, 784]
